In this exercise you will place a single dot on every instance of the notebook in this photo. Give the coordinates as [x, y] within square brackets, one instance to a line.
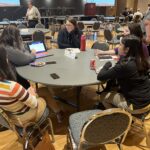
[39, 47]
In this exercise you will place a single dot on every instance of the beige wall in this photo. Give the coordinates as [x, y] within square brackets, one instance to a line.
[130, 4]
[142, 4]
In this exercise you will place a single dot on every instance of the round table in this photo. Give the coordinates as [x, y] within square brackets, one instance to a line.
[72, 72]
[30, 31]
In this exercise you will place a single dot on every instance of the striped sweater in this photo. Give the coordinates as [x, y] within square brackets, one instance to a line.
[14, 98]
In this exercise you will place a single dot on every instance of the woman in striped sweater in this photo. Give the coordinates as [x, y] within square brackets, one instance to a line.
[21, 105]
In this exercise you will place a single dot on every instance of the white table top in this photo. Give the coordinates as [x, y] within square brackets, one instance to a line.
[30, 31]
[11, 22]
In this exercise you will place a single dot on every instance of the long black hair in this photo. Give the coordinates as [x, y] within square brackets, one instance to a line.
[11, 37]
[6, 72]
[135, 50]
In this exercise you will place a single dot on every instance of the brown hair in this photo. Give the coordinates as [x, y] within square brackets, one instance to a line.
[73, 21]
[6, 73]
[11, 37]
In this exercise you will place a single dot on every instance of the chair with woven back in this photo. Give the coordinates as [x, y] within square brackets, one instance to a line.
[140, 116]
[81, 26]
[40, 25]
[21, 26]
[100, 46]
[38, 36]
[94, 128]
[96, 27]
[31, 133]
[109, 38]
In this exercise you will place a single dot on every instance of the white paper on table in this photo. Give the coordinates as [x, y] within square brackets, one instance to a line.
[24, 30]
[70, 54]
[73, 50]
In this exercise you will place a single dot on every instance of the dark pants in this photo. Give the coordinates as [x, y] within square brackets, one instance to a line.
[32, 23]
[23, 81]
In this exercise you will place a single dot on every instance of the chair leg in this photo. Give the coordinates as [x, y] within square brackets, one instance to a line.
[120, 146]
[68, 147]
[146, 134]
[51, 128]
[103, 147]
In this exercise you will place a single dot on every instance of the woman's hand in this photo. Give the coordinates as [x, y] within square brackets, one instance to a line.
[33, 51]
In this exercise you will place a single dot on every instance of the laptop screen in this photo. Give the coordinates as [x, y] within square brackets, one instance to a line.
[37, 46]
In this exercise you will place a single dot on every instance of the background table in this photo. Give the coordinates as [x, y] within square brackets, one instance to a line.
[30, 31]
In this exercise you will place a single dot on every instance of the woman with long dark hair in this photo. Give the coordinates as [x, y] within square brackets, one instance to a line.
[12, 40]
[131, 74]
[69, 37]
[17, 54]
[20, 104]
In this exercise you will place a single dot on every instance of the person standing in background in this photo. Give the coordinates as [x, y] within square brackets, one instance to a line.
[148, 9]
[69, 37]
[138, 13]
[33, 15]
[125, 12]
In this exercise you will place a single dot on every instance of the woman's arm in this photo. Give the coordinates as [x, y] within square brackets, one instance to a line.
[107, 72]
[18, 58]
[25, 96]
[60, 41]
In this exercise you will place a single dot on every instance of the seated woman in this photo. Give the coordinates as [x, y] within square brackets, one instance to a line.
[15, 99]
[20, 104]
[131, 74]
[17, 54]
[69, 37]
[134, 29]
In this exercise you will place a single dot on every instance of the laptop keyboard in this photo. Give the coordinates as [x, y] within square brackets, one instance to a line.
[41, 54]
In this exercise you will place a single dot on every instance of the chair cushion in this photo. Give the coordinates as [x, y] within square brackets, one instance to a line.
[77, 120]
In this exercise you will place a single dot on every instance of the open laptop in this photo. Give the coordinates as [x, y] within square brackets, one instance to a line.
[39, 47]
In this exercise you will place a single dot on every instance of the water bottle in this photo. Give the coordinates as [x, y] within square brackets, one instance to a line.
[83, 43]
[95, 36]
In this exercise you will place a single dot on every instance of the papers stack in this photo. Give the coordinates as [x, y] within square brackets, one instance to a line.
[72, 52]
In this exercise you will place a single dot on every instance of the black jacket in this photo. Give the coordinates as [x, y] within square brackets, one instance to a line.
[69, 40]
[134, 86]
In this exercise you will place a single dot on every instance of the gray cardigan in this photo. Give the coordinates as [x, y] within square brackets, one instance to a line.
[19, 57]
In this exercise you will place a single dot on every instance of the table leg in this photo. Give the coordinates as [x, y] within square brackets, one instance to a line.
[69, 102]
[78, 97]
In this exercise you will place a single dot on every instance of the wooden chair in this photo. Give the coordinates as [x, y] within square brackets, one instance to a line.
[139, 117]
[96, 128]
[30, 135]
